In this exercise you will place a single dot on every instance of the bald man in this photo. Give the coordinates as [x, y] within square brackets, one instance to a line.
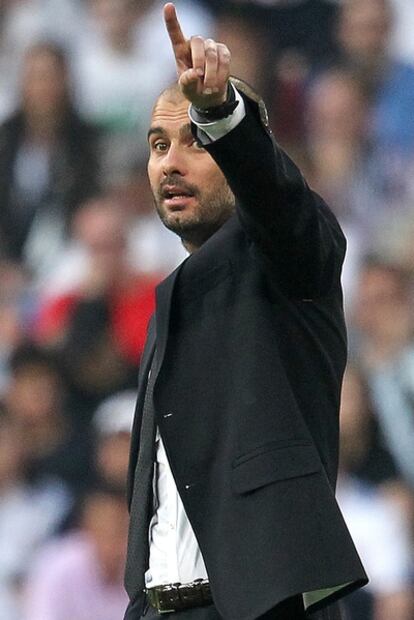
[235, 440]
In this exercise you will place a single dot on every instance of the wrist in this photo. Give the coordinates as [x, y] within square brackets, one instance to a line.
[218, 112]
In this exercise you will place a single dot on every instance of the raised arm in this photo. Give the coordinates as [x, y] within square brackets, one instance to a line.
[292, 227]
[294, 231]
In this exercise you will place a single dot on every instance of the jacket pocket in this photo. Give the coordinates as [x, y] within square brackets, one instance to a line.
[274, 463]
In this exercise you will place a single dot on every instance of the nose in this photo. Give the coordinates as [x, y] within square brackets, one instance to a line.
[175, 161]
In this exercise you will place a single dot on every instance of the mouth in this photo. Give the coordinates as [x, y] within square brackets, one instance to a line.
[176, 198]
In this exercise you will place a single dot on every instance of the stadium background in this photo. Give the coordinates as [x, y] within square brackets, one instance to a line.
[81, 251]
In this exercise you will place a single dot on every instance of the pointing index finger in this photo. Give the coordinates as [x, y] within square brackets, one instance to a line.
[173, 26]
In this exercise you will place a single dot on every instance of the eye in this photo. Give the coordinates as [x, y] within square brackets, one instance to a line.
[159, 145]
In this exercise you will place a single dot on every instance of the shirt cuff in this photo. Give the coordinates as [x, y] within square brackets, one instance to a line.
[213, 130]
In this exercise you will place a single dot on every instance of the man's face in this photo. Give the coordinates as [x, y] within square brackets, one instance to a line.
[191, 194]
[364, 28]
[44, 82]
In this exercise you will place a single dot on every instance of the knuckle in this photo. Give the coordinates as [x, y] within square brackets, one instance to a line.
[210, 44]
[197, 38]
[211, 50]
[224, 52]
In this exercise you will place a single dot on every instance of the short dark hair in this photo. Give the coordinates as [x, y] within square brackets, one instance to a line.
[30, 354]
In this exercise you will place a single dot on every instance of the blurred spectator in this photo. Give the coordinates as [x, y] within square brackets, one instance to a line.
[274, 35]
[350, 171]
[100, 326]
[287, 102]
[397, 245]
[384, 320]
[364, 454]
[29, 514]
[364, 33]
[80, 576]
[25, 23]
[365, 183]
[339, 163]
[380, 527]
[146, 233]
[112, 422]
[303, 25]
[47, 162]
[356, 114]
[110, 92]
[249, 48]
[382, 312]
[336, 124]
[35, 399]
[132, 197]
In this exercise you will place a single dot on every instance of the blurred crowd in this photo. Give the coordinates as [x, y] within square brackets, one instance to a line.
[81, 252]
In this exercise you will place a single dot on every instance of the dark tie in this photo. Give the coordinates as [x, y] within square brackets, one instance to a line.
[141, 504]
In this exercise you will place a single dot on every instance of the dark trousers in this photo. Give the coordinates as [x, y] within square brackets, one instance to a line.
[292, 609]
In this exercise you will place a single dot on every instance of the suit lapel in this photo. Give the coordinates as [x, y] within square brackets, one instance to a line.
[157, 338]
[144, 368]
[163, 296]
[206, 258]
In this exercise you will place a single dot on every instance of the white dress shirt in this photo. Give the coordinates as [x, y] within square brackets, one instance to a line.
[175, 556]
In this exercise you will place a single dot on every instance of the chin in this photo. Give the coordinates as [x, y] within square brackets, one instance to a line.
[181, 221]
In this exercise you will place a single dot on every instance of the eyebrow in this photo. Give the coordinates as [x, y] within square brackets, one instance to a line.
[159, 130]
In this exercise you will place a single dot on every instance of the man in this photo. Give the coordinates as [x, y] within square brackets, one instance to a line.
[240, 380]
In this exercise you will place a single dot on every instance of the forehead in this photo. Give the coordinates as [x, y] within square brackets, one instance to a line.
[170, 113]
[367, 10]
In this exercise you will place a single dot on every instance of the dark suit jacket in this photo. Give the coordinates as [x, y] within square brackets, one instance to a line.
[251, 349]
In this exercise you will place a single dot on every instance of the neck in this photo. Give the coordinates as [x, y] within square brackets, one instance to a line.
[122, 43]
[42, 127]
[193, 239]
[190, 247]
[193, 242]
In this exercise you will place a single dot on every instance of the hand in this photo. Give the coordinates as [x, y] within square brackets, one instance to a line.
[203, 65]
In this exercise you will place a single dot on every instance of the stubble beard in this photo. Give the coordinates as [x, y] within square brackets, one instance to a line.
[194, 228]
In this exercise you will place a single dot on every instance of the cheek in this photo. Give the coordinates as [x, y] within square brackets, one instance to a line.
[212, 181]
[153, 175]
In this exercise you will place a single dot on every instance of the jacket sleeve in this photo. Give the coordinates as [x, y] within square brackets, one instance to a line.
[296, 234]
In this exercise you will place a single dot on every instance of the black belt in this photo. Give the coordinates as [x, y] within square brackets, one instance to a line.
[179, 596]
